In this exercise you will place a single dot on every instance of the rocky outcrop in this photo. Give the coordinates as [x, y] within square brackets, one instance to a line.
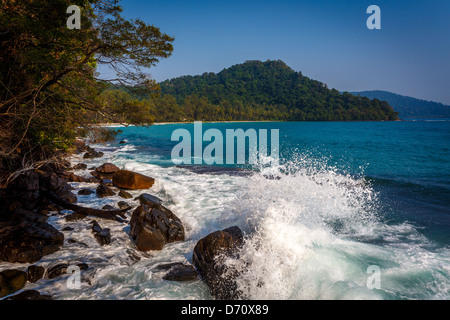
[11, 281]
[178, 271]
[152, 226]
[131, 180]
[28, 241]
[209, 255]
[103, 235]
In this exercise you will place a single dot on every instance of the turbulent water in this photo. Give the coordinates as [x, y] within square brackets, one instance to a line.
[345, 197]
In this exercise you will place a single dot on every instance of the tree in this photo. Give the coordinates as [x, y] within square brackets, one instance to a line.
[49, 86]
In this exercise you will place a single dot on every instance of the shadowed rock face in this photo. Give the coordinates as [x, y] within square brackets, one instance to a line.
[11, 281]
[154, 226]
[209, 255]
[28, 241]
[131, 180]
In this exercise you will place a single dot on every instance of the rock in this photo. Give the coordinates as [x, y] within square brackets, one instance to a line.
[29, 295]
[80, 166]
[107, 168]
[149, 200]
[68, 228]
[179, 272]
[92, 153]
[75, 217]
[124, 194]
[85, 192]
[11, 281]
[61, 269]
[106, 182]
[80, 146]
[103, 236]
[124, 205]
[123, 142]
[104, 191]
[108, 207]
[132, 180]
[52, 182]
[26, 241]
[208, 258]
[153, 227]
[35, 273]
[73, 241]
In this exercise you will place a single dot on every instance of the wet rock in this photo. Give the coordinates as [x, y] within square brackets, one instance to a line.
[149, 200]
[208, 258]
[52, 182]
[28, 241]
[153, 227]
[108, 207]
[11, 281]
[73, 241]
[104, 191]
[80, 166]
[29, 295]
[107, 168]
[75, 217]
[124, 194]
[179, 272]
[68, 228]
[92, 153]
[123, 142]
[103, 235]
[124, 205]
[132, 180]
[61, 269]
[85, 192]
[35, 273]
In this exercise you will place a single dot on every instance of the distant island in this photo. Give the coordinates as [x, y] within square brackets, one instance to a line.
[408, 107]
[257, 90]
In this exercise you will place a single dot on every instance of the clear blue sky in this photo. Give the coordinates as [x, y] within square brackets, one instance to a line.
[325, 40]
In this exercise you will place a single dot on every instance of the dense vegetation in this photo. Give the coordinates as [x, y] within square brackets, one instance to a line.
[408, 107]
[258, 90]
[49, 90]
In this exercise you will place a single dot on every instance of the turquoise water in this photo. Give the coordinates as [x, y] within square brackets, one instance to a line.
[346, 199]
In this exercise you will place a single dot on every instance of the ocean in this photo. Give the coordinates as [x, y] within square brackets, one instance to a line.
[349, 203]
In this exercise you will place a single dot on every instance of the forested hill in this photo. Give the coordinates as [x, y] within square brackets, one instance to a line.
[408, 107]
[258, 90]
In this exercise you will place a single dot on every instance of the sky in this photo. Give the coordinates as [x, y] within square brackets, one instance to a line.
[325, 40]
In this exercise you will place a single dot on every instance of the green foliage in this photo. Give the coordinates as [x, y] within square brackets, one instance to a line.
[258, 90]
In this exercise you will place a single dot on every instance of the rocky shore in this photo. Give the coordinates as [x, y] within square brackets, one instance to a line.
[26, 236]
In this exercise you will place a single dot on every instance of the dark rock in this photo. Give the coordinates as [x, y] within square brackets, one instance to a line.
[61, 269]
[103, 236]
[11, 281]
[149, 200]
[85, 192]
[208, 258]
[80, 166]
[35, 273]
[108, 207]
[75, 217]
[123, 142]
[73, 241]
[26, 241]
[80, 146]
[92, 153]
[124, 194]
[153, 227]
[68, 228]
[107, 168]
[104, 191]
[52, 182]
[124, 205]
[132, 180]
[29, 295]
[179, 272]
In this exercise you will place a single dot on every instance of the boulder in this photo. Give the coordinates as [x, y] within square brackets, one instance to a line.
[124, 194]
[29, 295]
[103, 235]
[80, 166]
[179, 272]
[104, 191]
[85, 192]
[35, 273]
[28, 241]
[50, 181]
[92, 153]
[11, 281]
[123, 205]
[107, 168]
[149, 200]
[131, 180]
[208, 258]
[153, 227]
